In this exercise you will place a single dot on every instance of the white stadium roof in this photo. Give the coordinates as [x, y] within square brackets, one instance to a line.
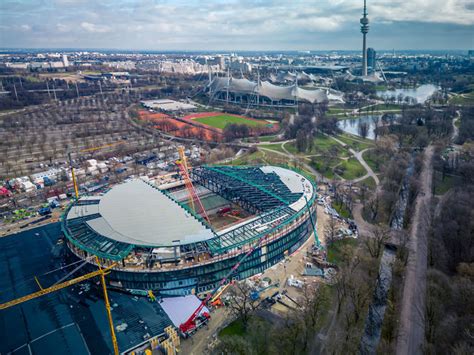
[137, 213]
[267, 89]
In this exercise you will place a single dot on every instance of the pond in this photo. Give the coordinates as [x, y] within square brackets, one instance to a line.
[420, 94]
[351, 125]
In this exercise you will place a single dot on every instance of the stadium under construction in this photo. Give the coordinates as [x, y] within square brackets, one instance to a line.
[162, 244]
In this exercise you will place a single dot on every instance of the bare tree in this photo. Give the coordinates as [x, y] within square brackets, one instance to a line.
[363, 129]
[375, 243]
[241, 304]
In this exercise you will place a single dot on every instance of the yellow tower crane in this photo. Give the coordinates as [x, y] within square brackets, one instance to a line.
[44, 291]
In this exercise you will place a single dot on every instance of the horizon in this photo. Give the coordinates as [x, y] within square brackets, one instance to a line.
[226, 51]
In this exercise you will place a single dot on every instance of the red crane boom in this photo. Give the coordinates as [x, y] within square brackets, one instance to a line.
[190, 325]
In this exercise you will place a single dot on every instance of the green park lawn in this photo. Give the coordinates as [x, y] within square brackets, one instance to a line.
[321, 145]
[276, 147]
[351, 168]
[372, 160]
[335, 250]
[356, 143]
[466, 99]
[368, 183]
[221, 121]
[267, 138]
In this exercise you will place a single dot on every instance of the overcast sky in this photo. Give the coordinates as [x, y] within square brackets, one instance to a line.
[235, 25]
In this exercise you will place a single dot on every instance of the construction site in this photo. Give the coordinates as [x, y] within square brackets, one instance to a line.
[158, 254]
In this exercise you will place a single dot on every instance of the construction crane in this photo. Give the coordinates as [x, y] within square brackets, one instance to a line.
[44, 291]
[193, 196]
[87, 150]
[190, 325]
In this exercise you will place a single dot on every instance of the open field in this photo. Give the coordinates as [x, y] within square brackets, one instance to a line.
[276, 147]
[351, 169]
[221, 120]
[464, 99]
[321, 145]
[354, 142]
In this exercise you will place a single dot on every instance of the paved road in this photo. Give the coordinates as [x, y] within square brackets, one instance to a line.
[412, 319]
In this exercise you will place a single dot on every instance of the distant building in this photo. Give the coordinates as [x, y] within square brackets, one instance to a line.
[166, 105]
[371, 58]
[470, 53]
[65, 61]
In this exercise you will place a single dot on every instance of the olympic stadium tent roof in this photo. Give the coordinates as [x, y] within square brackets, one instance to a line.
[267, 89]
[139, 214]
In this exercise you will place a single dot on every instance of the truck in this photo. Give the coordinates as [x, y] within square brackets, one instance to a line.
[43, 211]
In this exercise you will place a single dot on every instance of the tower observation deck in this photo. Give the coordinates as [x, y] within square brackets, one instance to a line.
[364, 28]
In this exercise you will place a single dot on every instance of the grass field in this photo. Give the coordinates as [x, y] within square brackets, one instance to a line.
[277, 147]
[221, 121]
[322, 145]
[441, 186]
[374, 161]
[336, 249]
[351, 169]
[369, 183]
[234, 328]
[465, 99]
[268, 138]
[354, 142]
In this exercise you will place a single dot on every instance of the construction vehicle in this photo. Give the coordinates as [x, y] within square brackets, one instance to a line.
[151, 296]
[255, 295]
[216, 300]
[196, 319]
[101, 272]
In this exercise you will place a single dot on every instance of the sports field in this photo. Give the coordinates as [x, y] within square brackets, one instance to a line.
[220, 121]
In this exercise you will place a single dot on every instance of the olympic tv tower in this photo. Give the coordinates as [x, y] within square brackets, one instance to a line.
[364, 28]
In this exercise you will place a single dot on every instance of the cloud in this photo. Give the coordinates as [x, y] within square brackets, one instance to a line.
[90, 27]
[238, 24]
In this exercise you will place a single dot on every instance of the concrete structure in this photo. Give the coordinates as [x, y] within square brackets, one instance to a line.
[161, 244]
[364, 28]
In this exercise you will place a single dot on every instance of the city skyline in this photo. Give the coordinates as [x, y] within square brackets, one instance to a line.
[236, 25]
